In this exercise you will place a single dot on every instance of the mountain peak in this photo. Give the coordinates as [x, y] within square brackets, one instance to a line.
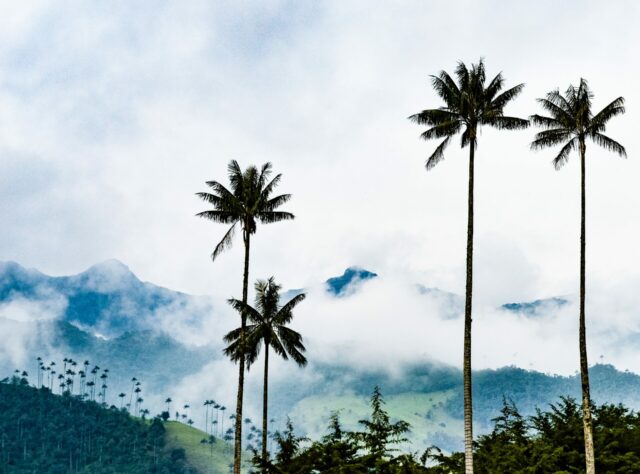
[112, 266]
[107, 276]
[339, 285]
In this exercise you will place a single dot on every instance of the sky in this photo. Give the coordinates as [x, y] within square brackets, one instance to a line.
[114, 114]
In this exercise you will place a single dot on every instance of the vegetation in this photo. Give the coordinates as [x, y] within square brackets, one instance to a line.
[249, 201]
[549, 441]
[570, 124]
[269, 328]
[44, 432]
[469, 105]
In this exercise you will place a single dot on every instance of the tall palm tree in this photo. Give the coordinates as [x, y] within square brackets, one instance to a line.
[249, 201]
[570, 123]
[268, 327]
[468, 105]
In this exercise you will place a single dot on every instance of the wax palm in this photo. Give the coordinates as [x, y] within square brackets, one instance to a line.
[570, 124]
[248, 202]
[469, 105]
[268, 327]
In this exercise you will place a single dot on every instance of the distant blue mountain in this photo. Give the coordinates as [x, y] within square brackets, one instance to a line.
[108, 297]
[534, 308]
[340, 285]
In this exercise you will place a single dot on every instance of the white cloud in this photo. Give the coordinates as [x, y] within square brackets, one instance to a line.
[112, 118]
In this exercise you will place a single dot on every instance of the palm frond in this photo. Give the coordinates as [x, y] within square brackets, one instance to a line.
[265, 172]
[274, 216]
[462, 73]
[434, 117]
[217, 201]
[284, 315]
[545, 122]
[232, 335]
[268, 189]
[507, 96]
[438, 154]
[443, 129]
[561, 114]
[599, 121]
[236, 177]
[446, 88]
[225, 243]
[275, 202]
[609, 144]
[221, 217]
[494, 87]
[548, 138]
[244, 308]
[227, 198]
[278, 347]
[508, 123]
[292, 342]
[562, 157]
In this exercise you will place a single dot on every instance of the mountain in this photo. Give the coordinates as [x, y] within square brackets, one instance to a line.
[345, 284]
[107, 298]
[535, 308]
[108, 316]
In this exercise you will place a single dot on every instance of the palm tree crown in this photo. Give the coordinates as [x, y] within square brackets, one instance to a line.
[571, 122]
[468, 106]
[267, 324]
[248, 201]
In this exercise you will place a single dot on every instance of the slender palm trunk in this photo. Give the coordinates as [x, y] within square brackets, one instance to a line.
[466, 370]
[237, 448]
[584, 366]
[265, 398]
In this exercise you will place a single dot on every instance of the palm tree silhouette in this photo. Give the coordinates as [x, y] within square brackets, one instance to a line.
[268, 327]
[248, 202]
[570, 124]
[168, 402]
[206, 415]
[468, 106]
[121, 396]
[133, 383]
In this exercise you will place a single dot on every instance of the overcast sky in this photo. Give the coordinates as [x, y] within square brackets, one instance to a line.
[114, 114]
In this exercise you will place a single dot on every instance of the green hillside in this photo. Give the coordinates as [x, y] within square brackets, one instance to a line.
[43, 433]
[214, 458]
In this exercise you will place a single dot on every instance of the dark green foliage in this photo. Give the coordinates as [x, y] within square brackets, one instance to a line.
[340, 451]
[45, 433]
[551, 441]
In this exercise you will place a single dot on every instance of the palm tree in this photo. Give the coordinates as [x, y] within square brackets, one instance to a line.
[168, 402]
[248, 202]
[570, 124]
[121, 395]
[468, 106]
[268, 326]
[206, 415]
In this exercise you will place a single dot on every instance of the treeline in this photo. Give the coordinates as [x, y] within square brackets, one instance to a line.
[41, 432]
[549, 441]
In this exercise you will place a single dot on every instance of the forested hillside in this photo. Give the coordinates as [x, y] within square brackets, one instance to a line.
[45, 433]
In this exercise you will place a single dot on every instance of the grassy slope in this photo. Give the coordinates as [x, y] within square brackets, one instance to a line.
[430, 423]
[203, 457]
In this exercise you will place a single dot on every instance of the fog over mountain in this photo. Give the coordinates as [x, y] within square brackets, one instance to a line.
[355, 331]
